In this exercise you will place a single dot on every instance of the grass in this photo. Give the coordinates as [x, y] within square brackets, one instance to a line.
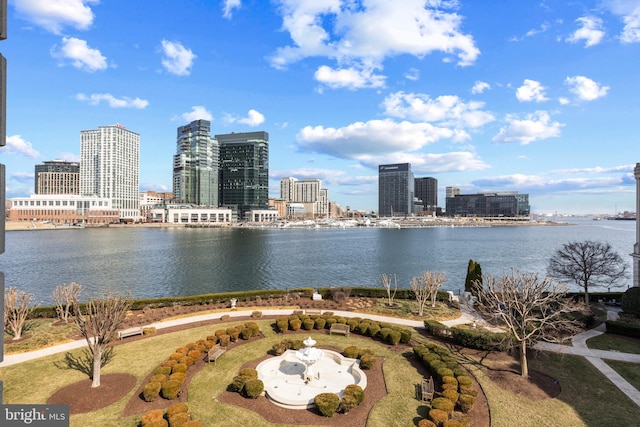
[614, 342]
[628, 371]
[42, 334]
[408, 309]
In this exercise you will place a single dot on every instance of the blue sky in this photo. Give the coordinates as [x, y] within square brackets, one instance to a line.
[534, 96]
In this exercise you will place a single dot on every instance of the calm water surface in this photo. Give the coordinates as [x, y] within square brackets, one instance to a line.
[166, 262]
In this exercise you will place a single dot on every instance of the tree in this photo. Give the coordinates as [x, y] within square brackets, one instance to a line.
[99, 323]
[64, 296]
[386, 282]
[529, 308]
[426, 287]
[474, 275]
[587, 264]
[17, 306]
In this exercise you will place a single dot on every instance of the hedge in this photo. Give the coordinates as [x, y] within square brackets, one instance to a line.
[623, 328]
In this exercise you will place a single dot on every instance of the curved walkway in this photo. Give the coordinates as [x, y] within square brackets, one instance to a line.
[578, 348]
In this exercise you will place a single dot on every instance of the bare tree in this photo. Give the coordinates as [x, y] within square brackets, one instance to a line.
[587, 264]
[529, 308]
[64, 296]
[387, 283]
[426, 287]
[17, 306]
[99, 323]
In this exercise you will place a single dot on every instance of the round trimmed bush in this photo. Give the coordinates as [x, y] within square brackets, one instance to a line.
[347, 403]
[188, 361]
[443, 404]
[426, 423]
[367, 361]
[151, 391]
[353, 324]
[246, 333]
[220, 332]
[179, 367]
[363, 327]
[192, 424]
[308, 324]
[182, 350]
[320, 323]
[194, 354]
[631, 301]
[466, 402]
[176, 356]
[158, 378]
[151, 416]
[444, 372]
[393, 338]
[452, 395]
[158, 423]
[178, 420]
[449, 380]
[253, 388]
[177, 408]
[452, 423]
[351, 352]
[295, 324]
[248, 372]
[162, 370]
[464, 380]
[170, 389]
[327, 403]
[355, 391]
[373, 330]
[282, 325]
[170, 363]
[178, 376]
[453, 387]
[405, 336]
[330, 321]
[438, 416]
[224, 340]
[384, 333]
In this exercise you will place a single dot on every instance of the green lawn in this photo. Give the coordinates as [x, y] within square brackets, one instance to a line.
[614, 342]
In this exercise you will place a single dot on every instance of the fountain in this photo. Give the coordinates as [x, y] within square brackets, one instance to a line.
[293, 379]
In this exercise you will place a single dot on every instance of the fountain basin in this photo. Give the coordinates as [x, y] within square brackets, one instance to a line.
[285, 385]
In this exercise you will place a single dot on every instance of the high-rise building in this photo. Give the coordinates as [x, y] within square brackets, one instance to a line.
[395, 190]
[195, 165]
[110, 167]
[57, 177]
[426, 189]
[451, 191]
[244, 171]
[286, 188]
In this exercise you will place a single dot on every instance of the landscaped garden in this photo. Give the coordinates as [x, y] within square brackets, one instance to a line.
[562, 390]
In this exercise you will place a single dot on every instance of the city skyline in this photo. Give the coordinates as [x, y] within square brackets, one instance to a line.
[528, 96]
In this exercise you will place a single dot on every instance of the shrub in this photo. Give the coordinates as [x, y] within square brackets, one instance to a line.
[220, 332]
[282, 325]
[248, 372]
[353, 323]
[327, 403]
[464, 380]
[225, 317]
[623, 328]
[178, 376]
[443, 404]
[347, 403]
[224, 340]
[466, 402]
[453, 387]
[170, 389]
[256, 314]
[449, 380]
[170, 363]
[320, 323]
[182, 350]
[351, 352]
[178, 420]
[461, 417]
[151, 391]
[631, 301]
[444, 372]
[295, 324]
[162, 370]
[176, 356]
[426, 423]
[192, 424]
[373, 330]
[405, 336]
[149, 330]
[179, 367]
[158, 378]
[158, 423]
[188, 361]
[246, 333]
[253, 388]
[151, 416]
[195, 354]
[177, 408]
[393, 338]
[384, 333]
[450, 394]
[330, 321]
[367, 361]
[308, 324]
[363, 327]
[452, 423]
[355, 391]
[438, 416]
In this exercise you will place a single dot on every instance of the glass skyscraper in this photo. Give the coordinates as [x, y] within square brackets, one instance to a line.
[395, 190]
[426, 189]
[195, 165]
[244, 171]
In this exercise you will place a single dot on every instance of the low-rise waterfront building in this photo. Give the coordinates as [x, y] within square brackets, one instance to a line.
[503, 204]
[64, 209]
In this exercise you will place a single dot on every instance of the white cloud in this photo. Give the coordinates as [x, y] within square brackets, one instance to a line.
[412, 74]
[374, 136]
[177, 59]
[596, 169]
[69, 157]
[585, 88]
[429, 163]
[80, 54]
[361, 35]
[533, 127]
[629, 11]
[531, 90]
[54, 15]
[480, 87]
[124, 102]
[591, 31]
[198, 112]
[228, 6]
[17, 145]
[564, 101]
[254, 118]
[447, 110]
[350, 78]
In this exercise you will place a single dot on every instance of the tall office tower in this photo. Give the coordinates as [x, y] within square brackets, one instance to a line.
[57, 177]
[307, 190]
[110, 167]
[244, 171]
[426, 189]
[195, 165]
[451, 192]
[395, 190]
[286, 188]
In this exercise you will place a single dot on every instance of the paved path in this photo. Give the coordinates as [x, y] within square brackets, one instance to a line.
[578, 348]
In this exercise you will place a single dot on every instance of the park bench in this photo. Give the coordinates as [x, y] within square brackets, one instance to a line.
[215, 352]
[129, 332]
[426, 390]
[339, 328]
[311, 311]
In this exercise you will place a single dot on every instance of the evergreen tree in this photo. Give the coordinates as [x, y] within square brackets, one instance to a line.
[474, 274]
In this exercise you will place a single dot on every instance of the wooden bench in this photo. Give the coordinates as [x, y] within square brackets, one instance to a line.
[426, 390]
[129, 332]
[215, 352]
[339, 328]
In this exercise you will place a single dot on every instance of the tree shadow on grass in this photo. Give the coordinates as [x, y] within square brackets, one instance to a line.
[84, 362]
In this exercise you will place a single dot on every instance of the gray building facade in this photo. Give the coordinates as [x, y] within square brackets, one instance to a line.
[426, 189]
[395, 190]
[57, 177]
[196, 165]
[244, 171]
[509, 204]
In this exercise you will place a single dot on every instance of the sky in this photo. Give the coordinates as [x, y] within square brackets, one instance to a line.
[539, 96]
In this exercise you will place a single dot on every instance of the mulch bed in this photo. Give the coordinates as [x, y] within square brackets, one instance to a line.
[81, 398]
